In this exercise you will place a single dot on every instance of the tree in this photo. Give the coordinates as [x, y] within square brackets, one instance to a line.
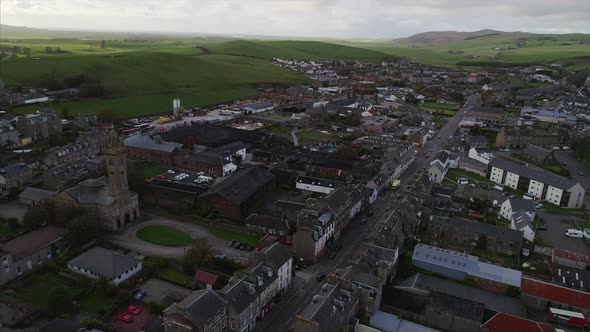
[48, 49]
[103, 43]
[199, 254]
[34, 218]
[59, 301]
[83, 229]
[94, 323]
[27, 50]
[107, 115]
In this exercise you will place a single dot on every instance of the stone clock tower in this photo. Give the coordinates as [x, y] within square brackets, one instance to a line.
[116, 164]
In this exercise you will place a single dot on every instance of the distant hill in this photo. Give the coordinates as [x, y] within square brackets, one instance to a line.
[295, 49]
[432, 38]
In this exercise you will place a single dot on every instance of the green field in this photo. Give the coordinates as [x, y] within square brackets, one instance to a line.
[242, 237]
[176, 276]
[165, 236]
[439, 109]
[152, 171]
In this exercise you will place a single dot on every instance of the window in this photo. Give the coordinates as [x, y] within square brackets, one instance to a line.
[18, 270]
[49, 254]
[39, 259]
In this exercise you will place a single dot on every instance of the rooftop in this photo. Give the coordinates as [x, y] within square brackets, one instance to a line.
[241, 185]
[533, 173]
[29, 243]
[502, 322]
[104, 262]
[555, 293]
[147, 143]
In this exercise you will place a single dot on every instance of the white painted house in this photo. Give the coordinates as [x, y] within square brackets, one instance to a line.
[315, 185]
[100, 262]
[511, 206]
[541, 184]
[521, 221]
[481, 156]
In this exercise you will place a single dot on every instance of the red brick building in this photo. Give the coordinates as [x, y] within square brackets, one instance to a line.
[140, 147]
[211, 164]
[239, 195]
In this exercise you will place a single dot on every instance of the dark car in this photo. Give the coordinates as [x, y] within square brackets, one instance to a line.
[249, 247]
[242, 247]
[370, 213]
[231, 243]
[363, 221]
[542, 228]
[237, 245]
[320, 277]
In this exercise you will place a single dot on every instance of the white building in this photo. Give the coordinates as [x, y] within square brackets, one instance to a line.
[35, 98]
[315, 185]
[521, 221]
[100, 262]
[511, 206]
[538, 183]
[281, 260]
[481, 156]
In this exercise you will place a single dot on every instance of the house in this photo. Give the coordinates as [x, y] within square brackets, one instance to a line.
[477, 142]
[550, 116]
[331, 309]
[210, 164]
[571, 269]
[34, 196]
[8, 134]
[539, 183]
[266, 224]
[480, 155]
[488, 115]
[87, 121]
[43, 124]
[156, 150]
[378, 124]
[14, 177]
[540, 294]
[459, 266]
[502, 322]
[108, 199]
[240, 194]
[30, 250]
[72, 173]
[538, 155]
[521, 221]
[463, 234]
[339, 204]
[512, 205]
[315, 230]
[100, 262]
[383, 321]
[203, 311]
[449, 305]
[520, 137]
[316, 185]
[440, 166]
[206, 279]
[88, 144]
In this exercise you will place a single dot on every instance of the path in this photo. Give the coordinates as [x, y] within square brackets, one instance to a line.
[294, 136]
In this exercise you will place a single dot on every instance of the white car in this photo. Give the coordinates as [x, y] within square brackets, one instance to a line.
[574, 233]
[587, 233]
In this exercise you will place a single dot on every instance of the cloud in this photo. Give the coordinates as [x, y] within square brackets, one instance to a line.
[322, 18]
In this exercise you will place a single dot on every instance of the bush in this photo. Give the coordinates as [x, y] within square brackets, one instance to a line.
[94, 323]
[156, 262]
[13, 223]
[156, 308]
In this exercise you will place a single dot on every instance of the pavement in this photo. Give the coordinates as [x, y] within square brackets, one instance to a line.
[128, 239]
[283, 314]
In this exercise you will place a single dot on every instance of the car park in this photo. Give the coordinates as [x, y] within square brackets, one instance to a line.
[124, 317]
[133, 310]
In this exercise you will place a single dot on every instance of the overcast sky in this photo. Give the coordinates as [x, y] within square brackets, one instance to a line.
[306, 18]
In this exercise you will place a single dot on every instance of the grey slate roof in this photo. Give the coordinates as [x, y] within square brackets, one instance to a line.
[527, 205]
[424, 284]
[36, 194]
[486, 229]
[536, 152]
[201, 305]
[146, 142]
[533, 173]
[92, 191]
[13, 169]
[277, 254]
[104, 262]
[28, 243]
[240, 295]
[465, 263]
[241, 185]
[521, 220]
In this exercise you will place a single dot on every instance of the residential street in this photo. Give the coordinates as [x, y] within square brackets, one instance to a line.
[283, 315]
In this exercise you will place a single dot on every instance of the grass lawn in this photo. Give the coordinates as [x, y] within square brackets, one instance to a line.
[152, 171]
[311, 136]
[38, 290]
[5, 230]
[164, 236]
[95, 302]
[440, 121]
[558, 169]
[456, 173]
[242, 237]
[437, 111]
[176, 276]
[449, 107]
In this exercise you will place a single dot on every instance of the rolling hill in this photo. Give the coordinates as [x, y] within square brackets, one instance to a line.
[431, 38]
[295, 49]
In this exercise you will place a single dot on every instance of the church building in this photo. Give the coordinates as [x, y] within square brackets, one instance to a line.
[107, 198]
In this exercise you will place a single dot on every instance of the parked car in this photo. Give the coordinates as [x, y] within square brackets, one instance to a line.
[124, 317]
[587, 233]
[257, 248]
[574, 233]
[231, 243]
[140, 295]
[542, 228]
[332, 255]
[370, 213]
[363, 221]
[580, 173]
[320, 277]
[538, 206]
[242, 247]
[133, 310]
[237, 245]
[249, 247]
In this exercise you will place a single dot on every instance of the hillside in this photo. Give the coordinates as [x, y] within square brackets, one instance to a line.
[431, 38]
[295, 49]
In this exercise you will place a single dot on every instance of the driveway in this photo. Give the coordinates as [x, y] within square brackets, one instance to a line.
[127, 239]
[555, 234]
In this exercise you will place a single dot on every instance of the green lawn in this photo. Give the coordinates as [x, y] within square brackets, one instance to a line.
[176, 276]
[455, 173]
[152, 171]
[242, 237]
[440, 121]
[96, 303]
[449, 107]
[5, 230]
[437, 111]
[312, 136]
[37, 291]
[164, 236]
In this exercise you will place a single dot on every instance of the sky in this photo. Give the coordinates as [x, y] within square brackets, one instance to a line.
[303, 18]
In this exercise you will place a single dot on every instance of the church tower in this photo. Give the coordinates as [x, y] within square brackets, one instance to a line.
[116, 164]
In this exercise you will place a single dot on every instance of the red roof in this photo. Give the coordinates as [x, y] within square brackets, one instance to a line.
[502, 322]
[555, 293]
[206, 277]
[571, 255]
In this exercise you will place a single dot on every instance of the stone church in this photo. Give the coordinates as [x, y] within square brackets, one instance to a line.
[107, 198]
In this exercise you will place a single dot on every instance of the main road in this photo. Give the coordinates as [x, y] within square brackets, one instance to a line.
[282, 316]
